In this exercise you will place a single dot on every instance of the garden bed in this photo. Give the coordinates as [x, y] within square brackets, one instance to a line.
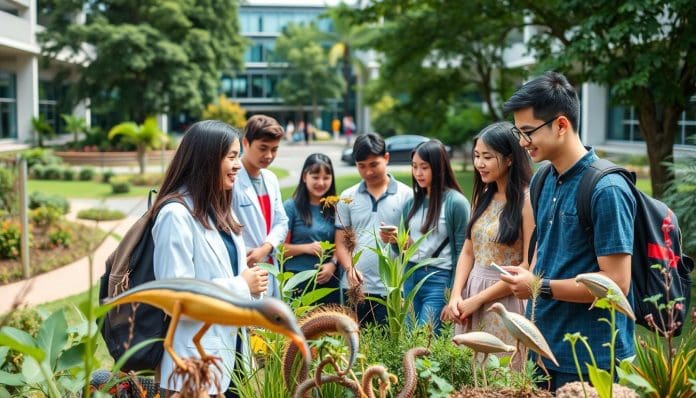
[45, 258]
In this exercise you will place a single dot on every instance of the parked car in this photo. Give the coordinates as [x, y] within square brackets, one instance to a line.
[398, 146]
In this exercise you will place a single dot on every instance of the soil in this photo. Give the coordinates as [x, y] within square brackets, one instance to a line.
[499, 393]
[44, 257]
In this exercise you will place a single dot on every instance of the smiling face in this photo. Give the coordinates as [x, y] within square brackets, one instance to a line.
[543, 145]
[422, 172]
[318, 183]
[230, 166]
[491, 165]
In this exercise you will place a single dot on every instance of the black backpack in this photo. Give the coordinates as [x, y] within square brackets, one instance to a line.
[125, 326]
[657, 240]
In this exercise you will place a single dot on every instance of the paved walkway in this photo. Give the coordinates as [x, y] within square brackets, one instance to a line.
[74, 278]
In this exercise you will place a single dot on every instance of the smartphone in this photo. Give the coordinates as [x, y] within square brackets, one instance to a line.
[495, 267]
[388, 228]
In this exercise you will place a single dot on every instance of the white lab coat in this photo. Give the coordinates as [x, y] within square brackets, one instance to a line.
[247, 208]
[185, 249]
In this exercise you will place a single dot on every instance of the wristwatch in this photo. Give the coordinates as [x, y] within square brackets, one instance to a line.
[545, 291]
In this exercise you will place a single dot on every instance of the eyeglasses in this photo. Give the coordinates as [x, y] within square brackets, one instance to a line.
[526, 134]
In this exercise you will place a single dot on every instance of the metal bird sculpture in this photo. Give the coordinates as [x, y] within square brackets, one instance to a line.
[526, 333]
[211, 304]
[481, 342]
[600, 285]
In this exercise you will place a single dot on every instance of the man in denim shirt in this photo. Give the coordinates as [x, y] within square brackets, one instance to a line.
[546, 123]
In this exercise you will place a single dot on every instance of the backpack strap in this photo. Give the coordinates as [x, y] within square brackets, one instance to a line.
[149, 197]
[534, 193]
[583, 202]
[439, 249]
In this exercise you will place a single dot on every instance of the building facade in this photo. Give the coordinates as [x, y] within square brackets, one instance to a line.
[27, 89]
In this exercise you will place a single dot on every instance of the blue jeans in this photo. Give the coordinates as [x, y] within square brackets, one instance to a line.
[430, 299]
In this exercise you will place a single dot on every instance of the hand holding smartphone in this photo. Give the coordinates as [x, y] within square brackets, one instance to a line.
[388, 228]
[495, 267]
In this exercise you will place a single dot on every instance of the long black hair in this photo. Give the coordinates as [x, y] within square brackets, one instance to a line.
[196, 167]
[498, 137]
[435, 154]
[314, 163]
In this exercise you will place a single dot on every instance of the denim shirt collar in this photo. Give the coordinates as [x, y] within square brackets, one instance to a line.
[579, 166]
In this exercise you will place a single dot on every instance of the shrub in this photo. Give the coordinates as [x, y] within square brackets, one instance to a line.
[68, 174]
[146, 180]
[59, 238]
[10, 239]
[45, 217]
[53, 172]
[39, 199]
[106, 175]
[8, 197]
[87, 174]
[119, 184]
[100, 214]
[38, 171]
[40, 156]
[27, 320]
[227, 111]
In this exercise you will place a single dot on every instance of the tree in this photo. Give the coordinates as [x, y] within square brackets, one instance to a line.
[41, 129]
[144, 57]
[145, 136]
[307, 77]
[227, 111]
[76, 125]
[435, 55]
[644, 50]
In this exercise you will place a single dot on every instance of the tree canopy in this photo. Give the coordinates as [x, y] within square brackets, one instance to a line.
[144, 57]
[644, 50]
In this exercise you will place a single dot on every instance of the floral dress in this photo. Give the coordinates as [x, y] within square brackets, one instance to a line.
[486, 250]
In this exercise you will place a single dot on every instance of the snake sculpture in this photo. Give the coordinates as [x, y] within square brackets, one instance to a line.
[317, 323]
[385, 379]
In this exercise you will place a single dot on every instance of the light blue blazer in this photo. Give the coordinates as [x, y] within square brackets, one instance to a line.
[185, 249]
[247, 208]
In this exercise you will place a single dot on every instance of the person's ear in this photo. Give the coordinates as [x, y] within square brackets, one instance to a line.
[386, 157]
[563, 125]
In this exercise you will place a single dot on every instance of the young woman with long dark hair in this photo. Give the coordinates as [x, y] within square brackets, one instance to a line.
[197, 236]
[498, 232]
[439, 211]
[310, 223]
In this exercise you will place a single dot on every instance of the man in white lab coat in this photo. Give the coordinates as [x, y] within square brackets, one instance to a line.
[256, 194]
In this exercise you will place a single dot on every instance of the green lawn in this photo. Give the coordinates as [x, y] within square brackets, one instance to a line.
[82, 189]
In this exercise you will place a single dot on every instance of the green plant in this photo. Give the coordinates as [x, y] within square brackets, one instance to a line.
[662, 367]
[8, 197]
[68, 173]
[42, 129]
[87, 174]
[120, 184]
[40, 156]
[75, 125]
[39, 199]
[145, 136]
[437, 387]
[100, 214]
[146, 180]
[44, 217]
[10, 239]
[38, 171]
[59, 237]
[679, 195]
[394, 270]
[53, 172]
[106, 175]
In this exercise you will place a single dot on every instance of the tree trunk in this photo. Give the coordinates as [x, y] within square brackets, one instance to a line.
[347, 76]
[142, 158]
[659, 133]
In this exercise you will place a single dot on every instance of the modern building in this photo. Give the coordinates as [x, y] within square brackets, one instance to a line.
[603, 124]
[262, 22]
[26, 86]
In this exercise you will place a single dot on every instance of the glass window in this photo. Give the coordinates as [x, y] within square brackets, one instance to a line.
[256, 86]
[239, 87]
[271, 83]
[8, 106]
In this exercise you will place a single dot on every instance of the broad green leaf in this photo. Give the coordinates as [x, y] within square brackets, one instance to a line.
[31, 371]
[315, 295]
[3, 354]
[299, 278]
[268, 267]
[635, 380]
[71, 357]
[3, 392]
[71, 384]
[11, 379]
[601, 380]
[21, 341]
[53, 337]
